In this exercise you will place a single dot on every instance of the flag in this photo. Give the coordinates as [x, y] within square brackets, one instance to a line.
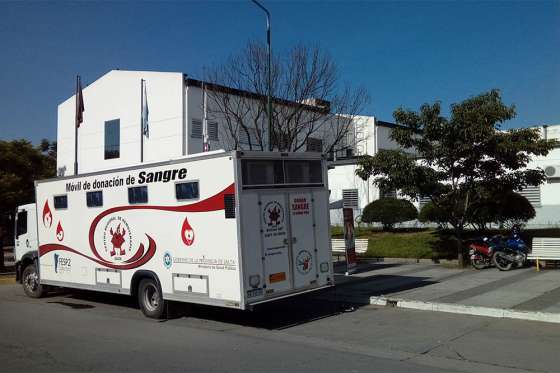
[145, 112]
[79, 102]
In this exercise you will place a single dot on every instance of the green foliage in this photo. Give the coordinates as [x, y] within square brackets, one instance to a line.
[458, 160]
[505, 209]
[389, 211]
[21, 164]
[427, 243]
[430, 213]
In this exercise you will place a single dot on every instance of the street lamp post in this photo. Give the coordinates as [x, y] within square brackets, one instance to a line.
[269, 111]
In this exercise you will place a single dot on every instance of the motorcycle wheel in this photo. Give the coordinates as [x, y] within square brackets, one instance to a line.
[479, 264]
[500, 260]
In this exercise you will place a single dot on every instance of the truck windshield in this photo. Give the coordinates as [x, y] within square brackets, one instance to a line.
[21, 223]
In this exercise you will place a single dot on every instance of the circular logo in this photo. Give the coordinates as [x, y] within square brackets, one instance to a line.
[304, 262]
[167, 260]
[117, 238]
[273, 214]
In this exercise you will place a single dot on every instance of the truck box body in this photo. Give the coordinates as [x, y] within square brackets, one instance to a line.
[229, 229]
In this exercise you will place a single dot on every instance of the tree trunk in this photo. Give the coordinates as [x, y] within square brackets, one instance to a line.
[460, 255]
[2, 250]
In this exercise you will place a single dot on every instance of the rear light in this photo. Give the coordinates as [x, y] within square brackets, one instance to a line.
[255, 281]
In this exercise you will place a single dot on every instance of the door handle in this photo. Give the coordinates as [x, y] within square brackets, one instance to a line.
[294, 240]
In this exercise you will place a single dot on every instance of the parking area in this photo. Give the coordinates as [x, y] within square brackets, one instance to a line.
[334, 330]
[523, 289]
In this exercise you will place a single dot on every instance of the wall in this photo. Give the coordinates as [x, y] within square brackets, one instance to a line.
[548, 215]
[116, 95]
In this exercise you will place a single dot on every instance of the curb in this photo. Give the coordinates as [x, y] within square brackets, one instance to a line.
[467, 310]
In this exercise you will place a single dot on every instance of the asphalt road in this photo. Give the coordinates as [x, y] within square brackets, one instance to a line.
[84, 331]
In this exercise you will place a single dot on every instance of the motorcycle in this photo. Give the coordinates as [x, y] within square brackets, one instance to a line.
[512, 251]
[481, 253]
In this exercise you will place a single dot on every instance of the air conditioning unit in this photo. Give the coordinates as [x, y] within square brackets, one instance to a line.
[552, 172]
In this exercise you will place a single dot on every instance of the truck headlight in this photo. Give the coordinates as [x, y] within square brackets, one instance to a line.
[254, 281]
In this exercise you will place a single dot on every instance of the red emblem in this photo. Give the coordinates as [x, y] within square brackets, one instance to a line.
[274, 215]
[59, 232]
[117, 239]
[187, 233]
[47, 215]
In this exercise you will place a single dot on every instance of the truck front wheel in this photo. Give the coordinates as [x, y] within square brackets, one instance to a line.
[31, 283]
[150, 299]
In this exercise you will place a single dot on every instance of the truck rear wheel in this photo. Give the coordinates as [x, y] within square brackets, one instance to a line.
[31, 283]
[150, 299]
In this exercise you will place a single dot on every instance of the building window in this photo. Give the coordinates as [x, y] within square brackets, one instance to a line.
[423, 201]
[94, 199]
[533, 194]
[314, 145]
[196, 129]
[213, 131]
[188, 190]
[112, 139]
[388, 193]
[60, 202]
[350, 198]
[138, 195]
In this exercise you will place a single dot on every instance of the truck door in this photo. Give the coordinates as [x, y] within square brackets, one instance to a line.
[275, 241]
[25, 232]
[302, 228]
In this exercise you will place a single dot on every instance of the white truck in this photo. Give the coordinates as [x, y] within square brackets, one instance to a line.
[231, 229]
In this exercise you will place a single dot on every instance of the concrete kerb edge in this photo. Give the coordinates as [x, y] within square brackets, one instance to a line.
[467, 310]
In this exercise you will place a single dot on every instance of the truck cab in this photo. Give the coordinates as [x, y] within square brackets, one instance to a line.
[25, 237]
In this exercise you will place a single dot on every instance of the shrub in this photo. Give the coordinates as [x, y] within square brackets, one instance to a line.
[430, 213]
[389, 211]
[515, 209]
[505, 209]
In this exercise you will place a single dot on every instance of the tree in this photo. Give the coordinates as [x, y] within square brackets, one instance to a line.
[309, 102]
[389, 211]
[458, 159]
[21, 164]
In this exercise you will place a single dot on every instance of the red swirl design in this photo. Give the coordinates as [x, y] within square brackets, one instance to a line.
[214, 203]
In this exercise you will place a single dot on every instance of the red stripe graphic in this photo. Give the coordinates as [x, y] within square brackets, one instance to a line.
[213, 203]
[44, 249]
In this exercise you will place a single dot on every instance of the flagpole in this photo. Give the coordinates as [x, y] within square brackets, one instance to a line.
[141, 120]
[76, 124]
[204, 120]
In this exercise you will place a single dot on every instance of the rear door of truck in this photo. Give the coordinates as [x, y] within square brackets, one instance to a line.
[280, 203]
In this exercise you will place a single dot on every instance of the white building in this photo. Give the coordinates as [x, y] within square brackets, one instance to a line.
[546, 197]
[110, 137]
[111, 132]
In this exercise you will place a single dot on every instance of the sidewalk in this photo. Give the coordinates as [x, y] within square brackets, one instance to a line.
[520, 293]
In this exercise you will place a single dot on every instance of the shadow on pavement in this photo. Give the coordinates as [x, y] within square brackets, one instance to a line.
[350, 294]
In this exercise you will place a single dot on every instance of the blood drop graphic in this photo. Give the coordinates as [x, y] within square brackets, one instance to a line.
[59, 232]
[47, 215]
[187, 233]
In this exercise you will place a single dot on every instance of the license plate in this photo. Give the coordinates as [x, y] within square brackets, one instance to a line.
[254, 293]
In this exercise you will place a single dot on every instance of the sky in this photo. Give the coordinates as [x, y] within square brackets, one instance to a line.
[404, 53]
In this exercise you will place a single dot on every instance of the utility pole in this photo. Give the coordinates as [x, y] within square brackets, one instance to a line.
[269, 103]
